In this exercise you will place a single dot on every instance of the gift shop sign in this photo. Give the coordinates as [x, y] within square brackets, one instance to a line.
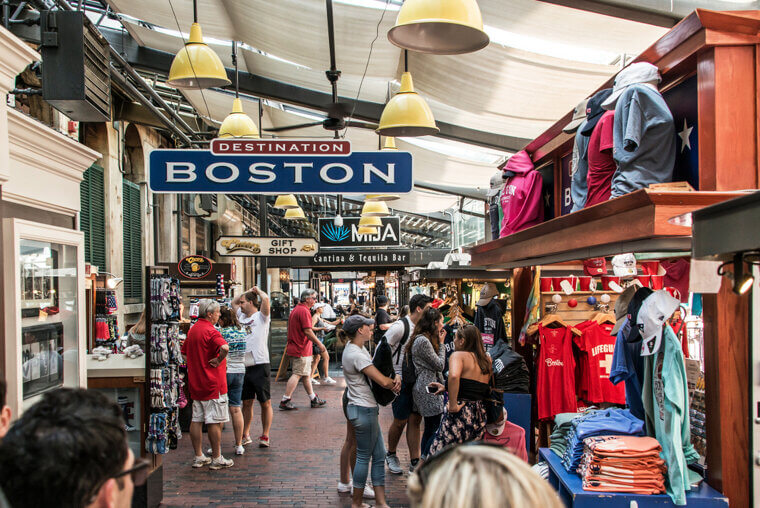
[241, 172]
[347, 235]
[265, 246]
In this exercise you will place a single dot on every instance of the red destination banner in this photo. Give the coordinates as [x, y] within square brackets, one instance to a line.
[242, 146]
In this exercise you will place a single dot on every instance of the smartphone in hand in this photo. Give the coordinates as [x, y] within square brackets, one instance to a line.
[431, 388]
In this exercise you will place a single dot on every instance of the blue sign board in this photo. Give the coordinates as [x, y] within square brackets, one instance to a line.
[199, 171]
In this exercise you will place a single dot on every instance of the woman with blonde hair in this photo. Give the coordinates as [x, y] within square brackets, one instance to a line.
[136, 334]
[479, 475]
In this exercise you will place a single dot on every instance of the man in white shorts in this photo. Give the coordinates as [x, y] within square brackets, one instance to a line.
[204, 351]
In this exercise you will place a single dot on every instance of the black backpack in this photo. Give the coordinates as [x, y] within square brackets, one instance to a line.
[383, 361]
[397, 354]
[408, 371]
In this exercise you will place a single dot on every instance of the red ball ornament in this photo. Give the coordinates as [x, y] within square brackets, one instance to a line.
[572, 302]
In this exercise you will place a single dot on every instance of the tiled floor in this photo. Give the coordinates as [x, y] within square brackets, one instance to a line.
[300, 469]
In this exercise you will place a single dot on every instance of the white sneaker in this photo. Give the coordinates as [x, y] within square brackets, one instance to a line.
[329, 381]
[315, 382]
[221, 463]
[239, 450]
[201, 461]
[210, 451]
[369, 492]
[345, 487]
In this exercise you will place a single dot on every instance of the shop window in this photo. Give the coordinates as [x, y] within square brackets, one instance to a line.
[133, 263]
[92, 219]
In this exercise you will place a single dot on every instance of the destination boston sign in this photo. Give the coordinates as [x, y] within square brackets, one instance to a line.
[250, 246]
[253, 166]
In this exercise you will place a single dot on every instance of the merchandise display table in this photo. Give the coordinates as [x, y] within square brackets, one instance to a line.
[116, 365]
[570, 488]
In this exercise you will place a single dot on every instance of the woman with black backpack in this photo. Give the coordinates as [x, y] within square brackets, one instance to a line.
[428, 357]
[362, 410]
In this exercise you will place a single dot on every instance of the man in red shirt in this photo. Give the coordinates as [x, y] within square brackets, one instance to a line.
[204, 351]
[300, 347]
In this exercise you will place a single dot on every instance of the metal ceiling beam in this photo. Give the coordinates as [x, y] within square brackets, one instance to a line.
[160, 61]
[631, 11]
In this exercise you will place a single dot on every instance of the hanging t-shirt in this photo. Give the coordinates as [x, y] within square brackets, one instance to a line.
[488, 319]
[579, 170]
[666, 403]
[628, 366]
[677, 275]
[555, 388]
[601, 165]
[599, 347]
[448, 345]
[645, 140]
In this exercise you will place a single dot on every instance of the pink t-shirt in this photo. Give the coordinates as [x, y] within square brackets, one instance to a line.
[512, 438]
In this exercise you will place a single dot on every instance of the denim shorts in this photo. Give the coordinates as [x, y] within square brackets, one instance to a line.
[235, 389]
[403, 404]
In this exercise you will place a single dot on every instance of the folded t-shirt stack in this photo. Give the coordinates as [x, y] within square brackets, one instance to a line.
[563, 426]
[606, 422]
[622, 464]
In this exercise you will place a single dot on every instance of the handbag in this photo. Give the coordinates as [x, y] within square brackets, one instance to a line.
[494, 404]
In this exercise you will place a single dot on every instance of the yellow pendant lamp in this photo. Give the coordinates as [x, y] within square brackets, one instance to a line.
[390, 144]
[407, 114]
[367, 230]
[294, 214]
[370, 221]
[196, 65]
[238, 124]
[441, 27]
[286, 202]
[375, 209]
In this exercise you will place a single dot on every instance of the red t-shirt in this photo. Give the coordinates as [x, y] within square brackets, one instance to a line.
[601, 165]
[556, 372]
[202, 344]
[299, 345]
[599, 347]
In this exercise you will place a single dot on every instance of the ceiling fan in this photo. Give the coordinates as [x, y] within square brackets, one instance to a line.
[337, 112]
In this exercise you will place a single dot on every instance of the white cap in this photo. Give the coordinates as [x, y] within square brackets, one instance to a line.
[624, 265]
[640, 72]
[497, 182]
[656, 309]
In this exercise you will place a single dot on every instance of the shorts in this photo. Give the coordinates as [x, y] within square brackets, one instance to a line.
[256, 383]
[403, 404]
[235, 388]
[211, 411]
[302, 366]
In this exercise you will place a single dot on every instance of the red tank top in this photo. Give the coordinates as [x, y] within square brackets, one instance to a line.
[556, 372]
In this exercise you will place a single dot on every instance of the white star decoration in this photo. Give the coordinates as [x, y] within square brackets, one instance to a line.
[684, 135]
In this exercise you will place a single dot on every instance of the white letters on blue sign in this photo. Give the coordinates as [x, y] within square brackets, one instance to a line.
[389, 177]
[175, 169]
[267, 174]
[234, 172]
[348, 173]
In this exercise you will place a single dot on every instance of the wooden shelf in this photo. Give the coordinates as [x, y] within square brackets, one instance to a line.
[635, 222]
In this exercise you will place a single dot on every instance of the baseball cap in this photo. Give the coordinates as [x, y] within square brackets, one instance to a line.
[487, 293]
[595, 266]
[594, 110]
[640, 72]
[579, 116]
[497, 182]
[318, 305]
[624, 265]
[634, 306]
[353, 323]
[654, 312]
[621, 308]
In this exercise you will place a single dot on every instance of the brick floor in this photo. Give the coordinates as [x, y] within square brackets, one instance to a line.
[301, 468]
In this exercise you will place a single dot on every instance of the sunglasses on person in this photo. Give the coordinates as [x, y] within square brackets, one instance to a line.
[139, 472]
[427, 467]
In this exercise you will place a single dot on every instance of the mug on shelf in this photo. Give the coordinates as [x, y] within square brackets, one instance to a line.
[644, 279]
[607, 279]
[658, 282]
[546, 284]
[584, 283]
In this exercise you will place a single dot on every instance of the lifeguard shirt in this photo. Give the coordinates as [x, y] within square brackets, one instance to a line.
[556, 372]
[299, 345]
[601, 164]
[599, 347]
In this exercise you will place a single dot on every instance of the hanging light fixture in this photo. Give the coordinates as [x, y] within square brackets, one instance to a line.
[375, 209]
[407, 114]
[370, 221]
[441, 27]
[237, 124]
[286, 202]
[294, 214]
[367, 230]
[196, 65]
[390, 144]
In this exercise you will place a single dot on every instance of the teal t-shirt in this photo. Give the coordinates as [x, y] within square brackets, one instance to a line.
[666, 403]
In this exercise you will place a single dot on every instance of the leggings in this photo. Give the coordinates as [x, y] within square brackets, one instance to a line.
[369, 445]
[431, 426]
